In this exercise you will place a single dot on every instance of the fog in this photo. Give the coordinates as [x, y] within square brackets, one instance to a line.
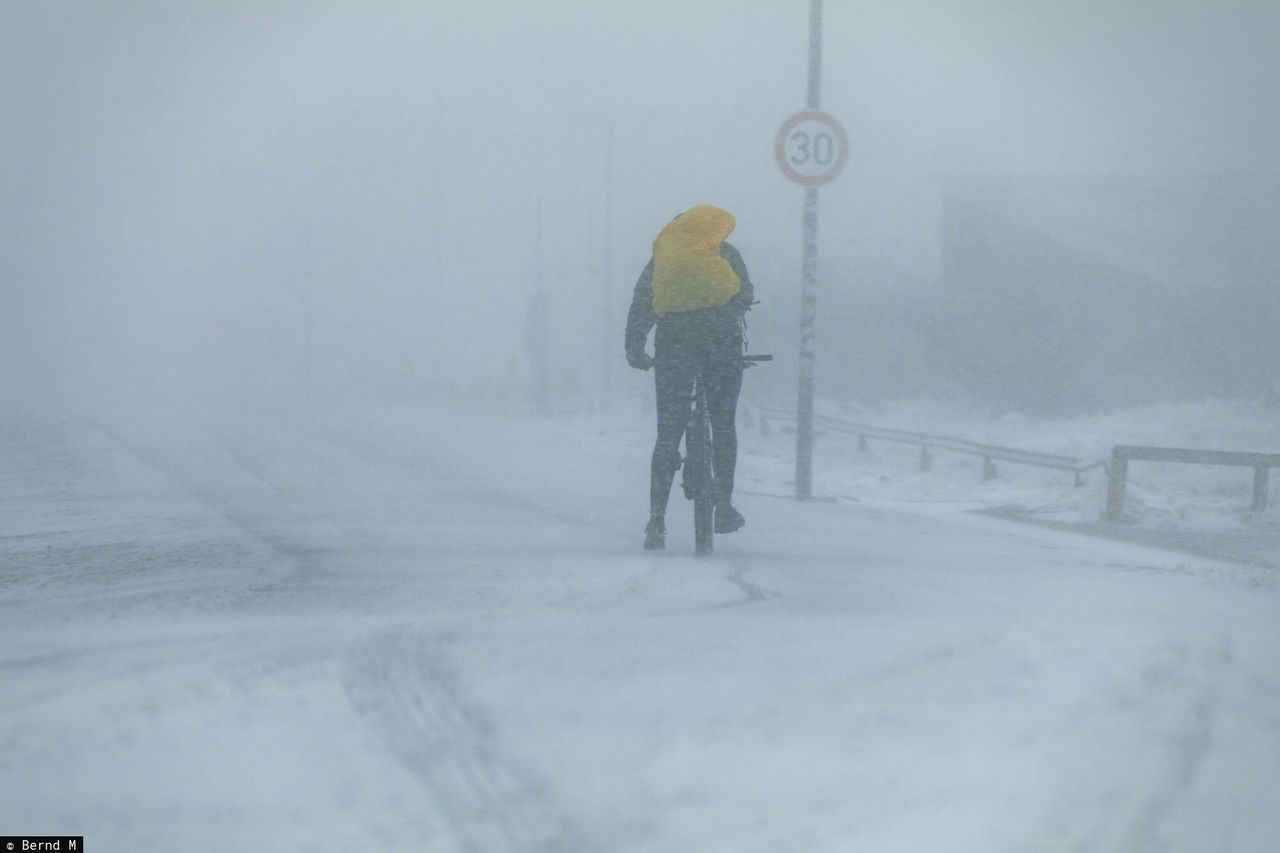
[236, 203]
[295, 555]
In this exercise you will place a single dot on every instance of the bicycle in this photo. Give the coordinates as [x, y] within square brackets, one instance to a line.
[699, 482]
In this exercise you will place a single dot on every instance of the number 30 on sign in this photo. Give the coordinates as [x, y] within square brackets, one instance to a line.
[811, 148]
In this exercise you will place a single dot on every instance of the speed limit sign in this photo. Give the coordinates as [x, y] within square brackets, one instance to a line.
[811, 148]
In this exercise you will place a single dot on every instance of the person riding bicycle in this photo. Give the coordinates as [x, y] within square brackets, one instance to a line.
[696, 290]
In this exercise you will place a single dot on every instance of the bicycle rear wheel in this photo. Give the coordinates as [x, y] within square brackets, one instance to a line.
[698, 442]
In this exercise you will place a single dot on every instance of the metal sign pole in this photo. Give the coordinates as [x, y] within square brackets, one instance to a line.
[811, 148]
[808, 319]
[808, 287]
[815, 52]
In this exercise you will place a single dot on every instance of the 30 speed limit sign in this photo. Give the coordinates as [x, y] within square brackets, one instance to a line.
[811, 148]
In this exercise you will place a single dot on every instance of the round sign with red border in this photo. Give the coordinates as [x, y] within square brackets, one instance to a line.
[811, 148]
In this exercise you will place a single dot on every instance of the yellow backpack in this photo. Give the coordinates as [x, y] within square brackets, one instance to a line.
[688, 272]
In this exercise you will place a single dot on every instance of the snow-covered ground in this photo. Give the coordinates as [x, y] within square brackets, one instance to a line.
[434, 630]
[1160, 495]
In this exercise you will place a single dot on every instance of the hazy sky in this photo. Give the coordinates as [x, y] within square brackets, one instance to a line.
[186, 184]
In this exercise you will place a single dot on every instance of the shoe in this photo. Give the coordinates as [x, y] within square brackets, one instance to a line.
[655, 535]
[728, 519]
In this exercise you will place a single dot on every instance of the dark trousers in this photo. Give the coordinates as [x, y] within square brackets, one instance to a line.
[706, 343]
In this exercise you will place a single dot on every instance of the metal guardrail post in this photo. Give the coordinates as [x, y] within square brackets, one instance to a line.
[1261, 483]
[1117, 481]
[988, 469]
[1117, 470]
[926, 461]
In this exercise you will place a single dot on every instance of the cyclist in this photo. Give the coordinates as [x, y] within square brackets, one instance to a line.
[696, 290]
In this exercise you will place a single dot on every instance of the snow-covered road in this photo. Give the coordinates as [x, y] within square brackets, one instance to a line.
[431, 631]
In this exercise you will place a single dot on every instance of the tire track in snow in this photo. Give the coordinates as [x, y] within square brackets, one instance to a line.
[1183, 732]
[753, 593]
[402, 686]
[1163, 737]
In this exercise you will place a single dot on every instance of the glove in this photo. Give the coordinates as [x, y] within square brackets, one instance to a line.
[640, 360]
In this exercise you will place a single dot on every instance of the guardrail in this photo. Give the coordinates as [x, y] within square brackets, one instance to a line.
[1122, 455]
[928, 443]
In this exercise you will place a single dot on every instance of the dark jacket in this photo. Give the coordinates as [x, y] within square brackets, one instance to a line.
[641, 318]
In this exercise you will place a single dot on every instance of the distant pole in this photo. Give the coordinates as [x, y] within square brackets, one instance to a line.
[536, 329]
[309, 267]
[607, 356]
[808, 288]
